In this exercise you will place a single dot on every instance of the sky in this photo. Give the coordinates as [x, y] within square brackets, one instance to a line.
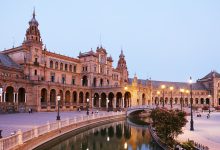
[166, 40]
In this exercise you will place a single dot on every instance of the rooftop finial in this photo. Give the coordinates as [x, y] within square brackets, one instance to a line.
[34, 13]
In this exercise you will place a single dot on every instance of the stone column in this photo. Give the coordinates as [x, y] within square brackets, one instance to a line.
[123, 102]
[99, 102]
[25, 100]
[17, 98]
[14, 98]
[92, 102]
[4, 96]
[1, 97]
[107, 103]
[114, 106]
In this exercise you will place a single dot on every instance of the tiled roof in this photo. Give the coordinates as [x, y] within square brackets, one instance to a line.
[8, 62]
[176, 85]
[211, 75]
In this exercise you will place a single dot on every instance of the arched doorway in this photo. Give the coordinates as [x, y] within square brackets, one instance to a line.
[110, 98]
[96, 100]
[81, 97]
[21, 95]
[87, 97]
[61, 98]
[127, 99]
[67, 98]
[143, 99]
[53, 98]
[9, 98]
[84, 81]
[202, 101]
[118, 99]
[74, 97]
[43, 98]
[103, 100]
[207, 101]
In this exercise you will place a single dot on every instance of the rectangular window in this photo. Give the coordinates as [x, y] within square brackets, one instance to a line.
[74, 69]
[73, 81]
[63, 79]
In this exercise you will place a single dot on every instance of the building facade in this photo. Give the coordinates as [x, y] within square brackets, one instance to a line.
[32, 77]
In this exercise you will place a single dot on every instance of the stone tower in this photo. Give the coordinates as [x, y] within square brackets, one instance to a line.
[122, 67]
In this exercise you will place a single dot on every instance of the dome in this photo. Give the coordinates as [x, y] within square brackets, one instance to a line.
[33, 21]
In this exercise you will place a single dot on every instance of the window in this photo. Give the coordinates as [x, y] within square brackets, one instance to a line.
[74, 69]
[56, 65]
[63, 79]
[51, 64]
[70, 68]
[52, 77]
[73, 81]
[94, 69]
[61, 66]
[35, 72]
[66, 67]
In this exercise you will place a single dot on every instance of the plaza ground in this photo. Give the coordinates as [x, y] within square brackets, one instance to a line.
[207, 131]
[10, 123]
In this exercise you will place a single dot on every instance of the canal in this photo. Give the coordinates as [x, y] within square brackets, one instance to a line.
[129, 134]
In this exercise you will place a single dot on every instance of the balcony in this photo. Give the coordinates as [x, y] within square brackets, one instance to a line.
[36, 63]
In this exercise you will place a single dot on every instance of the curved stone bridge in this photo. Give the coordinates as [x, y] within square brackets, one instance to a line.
[136, 108]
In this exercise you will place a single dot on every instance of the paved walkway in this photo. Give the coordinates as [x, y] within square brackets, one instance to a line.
[207, 131]
[24, 121]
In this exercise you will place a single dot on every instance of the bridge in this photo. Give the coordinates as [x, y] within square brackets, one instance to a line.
[137, 108]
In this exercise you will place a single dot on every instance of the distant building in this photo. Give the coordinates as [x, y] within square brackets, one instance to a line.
[32, 77]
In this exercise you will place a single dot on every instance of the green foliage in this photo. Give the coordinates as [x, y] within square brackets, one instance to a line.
[188, 145]
[168, 124]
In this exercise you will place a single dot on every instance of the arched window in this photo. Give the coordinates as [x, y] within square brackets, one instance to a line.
[61, 66]
[51, 64]
[70, 68]
[56, 65]
[66, 67]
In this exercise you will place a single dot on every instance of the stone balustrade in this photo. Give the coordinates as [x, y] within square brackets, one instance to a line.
[22, 137]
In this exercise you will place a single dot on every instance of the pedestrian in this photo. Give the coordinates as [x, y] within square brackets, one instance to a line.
[29, 110]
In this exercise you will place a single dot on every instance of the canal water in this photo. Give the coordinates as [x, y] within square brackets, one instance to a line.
[129, 134]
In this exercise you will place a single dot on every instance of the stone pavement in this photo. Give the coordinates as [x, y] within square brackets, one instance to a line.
[25, 121]
[207, 131]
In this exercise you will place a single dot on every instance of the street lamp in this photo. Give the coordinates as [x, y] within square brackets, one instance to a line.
[58, 112]
[181, 99]
[209, 101]
[171, 101]
[163, 87]
[107, 104]
[87, 100]
[158, 93]
[191, 121]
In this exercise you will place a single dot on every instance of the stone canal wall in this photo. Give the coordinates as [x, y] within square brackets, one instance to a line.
[39, 135]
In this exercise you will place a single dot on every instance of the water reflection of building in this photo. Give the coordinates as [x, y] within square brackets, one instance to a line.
[32, 76]
[109, 137]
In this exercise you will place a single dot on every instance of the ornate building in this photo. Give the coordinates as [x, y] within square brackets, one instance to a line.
[32, 77]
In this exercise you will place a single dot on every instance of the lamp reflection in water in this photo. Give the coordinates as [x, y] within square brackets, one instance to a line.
[125, 145]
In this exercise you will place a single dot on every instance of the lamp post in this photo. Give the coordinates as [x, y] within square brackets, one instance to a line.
[158, 93]
[181, 99]
[58, 112]
[87, 100]
[187, 92]
[107, 105]
[163, 87]
[171, 101]
[209, 102]
[191, 121]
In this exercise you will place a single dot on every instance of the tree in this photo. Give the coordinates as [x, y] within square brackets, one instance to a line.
[168, 124]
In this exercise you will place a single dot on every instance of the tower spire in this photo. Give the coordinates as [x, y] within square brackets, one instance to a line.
[34, 13]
